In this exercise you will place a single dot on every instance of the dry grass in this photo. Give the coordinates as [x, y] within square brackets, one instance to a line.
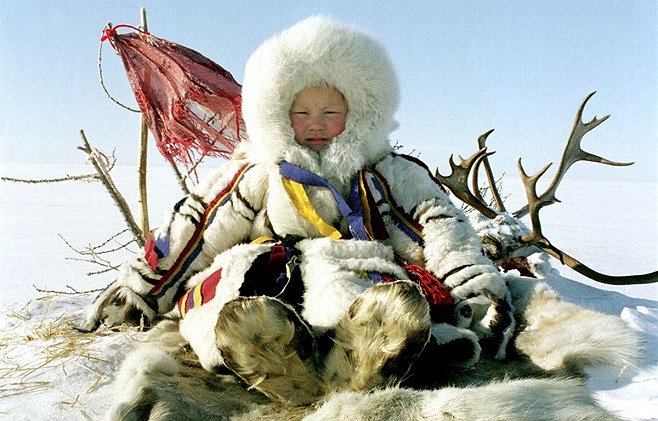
[54, 345]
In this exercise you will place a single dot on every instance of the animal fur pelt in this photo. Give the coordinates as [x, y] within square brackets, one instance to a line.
[529, 399]
[540, 380]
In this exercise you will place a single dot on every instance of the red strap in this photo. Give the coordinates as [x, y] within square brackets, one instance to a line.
[278, 255]
[108, 33]
[439, 298]
[149, 252]
[209, 286]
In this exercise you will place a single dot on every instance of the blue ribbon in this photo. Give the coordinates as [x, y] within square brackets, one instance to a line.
[353, 210]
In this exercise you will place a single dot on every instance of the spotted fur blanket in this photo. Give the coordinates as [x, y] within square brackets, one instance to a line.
[543, 379]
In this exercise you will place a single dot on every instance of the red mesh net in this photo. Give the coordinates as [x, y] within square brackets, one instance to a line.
[191, 104]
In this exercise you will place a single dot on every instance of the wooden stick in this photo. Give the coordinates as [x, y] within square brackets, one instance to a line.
[86, 177]
[105, 178]
[179, 177]
[143, 155]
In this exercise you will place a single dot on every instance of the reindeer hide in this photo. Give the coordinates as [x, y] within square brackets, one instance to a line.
[162, 379]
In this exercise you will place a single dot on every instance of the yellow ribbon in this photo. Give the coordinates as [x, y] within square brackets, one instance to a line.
[182, 304]
[300, 199]
[261, 240]
[367, 225]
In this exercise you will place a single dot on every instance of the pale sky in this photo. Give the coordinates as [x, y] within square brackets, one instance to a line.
[521, 67]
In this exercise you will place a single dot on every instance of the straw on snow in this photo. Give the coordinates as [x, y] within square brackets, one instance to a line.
[55, 344]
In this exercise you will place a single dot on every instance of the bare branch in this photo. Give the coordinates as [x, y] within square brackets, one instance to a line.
[102, 271]
[72, 291]
[92, 253]
[97, 160]
[119, 246]
[85, 177]
[109, 162]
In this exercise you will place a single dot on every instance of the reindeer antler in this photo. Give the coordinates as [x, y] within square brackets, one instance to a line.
[482, 141]
[572, 154]
[457, 182]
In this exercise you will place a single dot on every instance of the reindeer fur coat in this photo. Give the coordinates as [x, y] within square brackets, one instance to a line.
[324, 323]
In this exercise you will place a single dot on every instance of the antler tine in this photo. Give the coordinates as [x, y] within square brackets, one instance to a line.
[573, 153]
[457, 181]
[482, 143]
[537, 238]
[535, 203]
[573, 263]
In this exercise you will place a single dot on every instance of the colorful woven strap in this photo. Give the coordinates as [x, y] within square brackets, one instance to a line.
[200, 294]
[401, 219]
[195, 243]
[298, 195]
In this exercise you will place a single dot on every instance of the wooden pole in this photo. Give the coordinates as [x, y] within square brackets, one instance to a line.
[105, 178]
[143, 155]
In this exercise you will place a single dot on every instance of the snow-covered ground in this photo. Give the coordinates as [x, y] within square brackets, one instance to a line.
[44, 374]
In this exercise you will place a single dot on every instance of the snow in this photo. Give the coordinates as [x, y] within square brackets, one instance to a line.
[611, 226]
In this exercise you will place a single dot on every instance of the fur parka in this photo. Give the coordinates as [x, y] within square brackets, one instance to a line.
[342, 318]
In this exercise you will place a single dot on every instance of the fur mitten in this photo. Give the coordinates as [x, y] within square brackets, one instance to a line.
[126, 300]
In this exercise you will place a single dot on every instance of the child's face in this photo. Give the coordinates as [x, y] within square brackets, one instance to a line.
[317, 116]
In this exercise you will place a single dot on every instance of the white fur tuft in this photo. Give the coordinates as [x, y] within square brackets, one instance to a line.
[563, 336]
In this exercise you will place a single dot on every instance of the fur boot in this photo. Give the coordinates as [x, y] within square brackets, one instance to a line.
[379, 338]
[267, 344]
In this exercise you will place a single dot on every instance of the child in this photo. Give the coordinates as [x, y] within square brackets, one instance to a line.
[291, 264]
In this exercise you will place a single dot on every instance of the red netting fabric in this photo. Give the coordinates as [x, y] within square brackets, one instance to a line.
[191, 104]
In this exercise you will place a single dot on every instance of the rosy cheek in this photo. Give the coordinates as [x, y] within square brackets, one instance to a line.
[297, 127]
[338, 128]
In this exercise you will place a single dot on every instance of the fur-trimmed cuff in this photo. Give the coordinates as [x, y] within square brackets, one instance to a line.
[476, 279]
[137, 275]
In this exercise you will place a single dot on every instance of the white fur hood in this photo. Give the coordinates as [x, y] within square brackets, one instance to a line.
[318, 51]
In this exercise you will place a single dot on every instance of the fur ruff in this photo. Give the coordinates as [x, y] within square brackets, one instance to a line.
[319, 51]
[161, 379]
